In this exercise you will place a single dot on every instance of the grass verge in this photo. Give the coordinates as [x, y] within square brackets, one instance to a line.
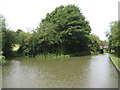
[116, 60]
[49, 55]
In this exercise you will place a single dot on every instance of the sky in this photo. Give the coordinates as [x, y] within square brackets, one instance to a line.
[27, 14]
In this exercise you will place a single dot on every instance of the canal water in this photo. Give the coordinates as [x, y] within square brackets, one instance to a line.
[76, 72]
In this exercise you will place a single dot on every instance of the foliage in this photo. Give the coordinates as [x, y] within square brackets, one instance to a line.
[64, 30]
[115, 60]
[2, 26]
[94, 53]
[16, 47]
[2, 59]
[8, 38]
[103, 43]
[114, 37]
[49, 55]
[94, 43]
[24, 42]
[61, 33]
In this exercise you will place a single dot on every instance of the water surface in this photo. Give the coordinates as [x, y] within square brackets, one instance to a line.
[76, 72]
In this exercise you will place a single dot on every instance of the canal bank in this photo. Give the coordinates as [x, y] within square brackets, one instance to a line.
[116, 66]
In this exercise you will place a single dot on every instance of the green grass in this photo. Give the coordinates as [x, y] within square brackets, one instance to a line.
[115, 59]
[49, 55]
[95, 53]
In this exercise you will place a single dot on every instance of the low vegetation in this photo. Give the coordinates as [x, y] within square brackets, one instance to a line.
[62, 33]
[115, 59]
[114, 42]
[2, 59]
[49, 55]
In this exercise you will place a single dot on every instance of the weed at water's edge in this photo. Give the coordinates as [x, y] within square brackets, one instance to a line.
[49, 55]
[115, 60]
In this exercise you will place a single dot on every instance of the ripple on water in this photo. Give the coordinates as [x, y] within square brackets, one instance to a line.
[76, 72]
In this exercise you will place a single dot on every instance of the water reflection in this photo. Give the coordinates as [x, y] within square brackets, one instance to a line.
[101, 72]
[77, 72]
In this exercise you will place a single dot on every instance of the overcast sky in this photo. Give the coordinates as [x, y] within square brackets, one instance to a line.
[27, 14]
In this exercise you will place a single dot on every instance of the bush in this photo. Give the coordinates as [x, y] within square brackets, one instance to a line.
[2, 60]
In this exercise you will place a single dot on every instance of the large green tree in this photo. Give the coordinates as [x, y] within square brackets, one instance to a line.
[65, 29]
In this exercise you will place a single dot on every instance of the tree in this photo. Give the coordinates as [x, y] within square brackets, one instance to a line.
[70, 29]
[114, 37]
[24, 42]
[2, 27]
[18, 31]
[8, 38]
[94, 42]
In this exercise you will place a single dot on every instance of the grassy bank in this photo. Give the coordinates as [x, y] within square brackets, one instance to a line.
[116, 60]
[49, 55]
[95, 53]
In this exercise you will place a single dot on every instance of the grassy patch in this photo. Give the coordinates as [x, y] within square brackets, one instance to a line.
[95, 53]
[49, 55]
[116, 60]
